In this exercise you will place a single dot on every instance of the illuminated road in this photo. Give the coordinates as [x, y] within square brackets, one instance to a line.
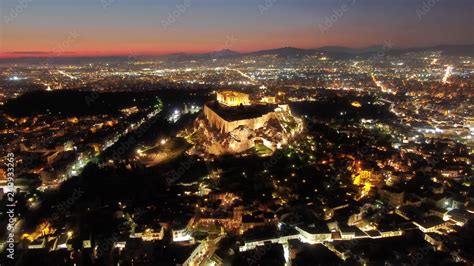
[77, 166]
[379, 83]
[66, 74]
[447, 74]
[211, 248]
[243, 75]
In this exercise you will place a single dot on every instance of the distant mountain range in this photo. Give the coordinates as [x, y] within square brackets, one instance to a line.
[339, 51]
[286, 52]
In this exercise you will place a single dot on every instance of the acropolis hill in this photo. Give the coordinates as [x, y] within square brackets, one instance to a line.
[234, 124]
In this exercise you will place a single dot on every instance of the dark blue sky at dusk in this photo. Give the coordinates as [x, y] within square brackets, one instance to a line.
[156, 27]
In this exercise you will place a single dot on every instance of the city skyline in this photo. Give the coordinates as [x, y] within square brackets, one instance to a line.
[251, 132]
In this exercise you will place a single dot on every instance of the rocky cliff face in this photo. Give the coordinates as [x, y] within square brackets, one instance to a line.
[276, 132]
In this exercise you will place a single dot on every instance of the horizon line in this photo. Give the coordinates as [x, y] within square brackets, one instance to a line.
[78, 54]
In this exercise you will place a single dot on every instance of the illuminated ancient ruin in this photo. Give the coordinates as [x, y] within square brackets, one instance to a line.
[233, 124]
[233, 98]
